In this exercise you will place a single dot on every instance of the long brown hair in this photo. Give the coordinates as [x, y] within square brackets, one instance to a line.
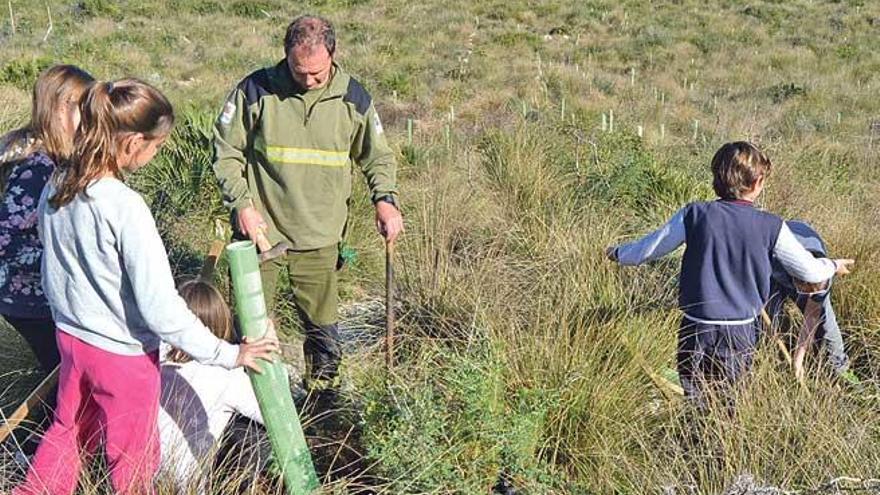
[208, 304]
[55, 86]
[109, 111]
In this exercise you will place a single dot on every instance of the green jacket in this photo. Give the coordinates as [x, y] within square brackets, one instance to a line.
[290, 153]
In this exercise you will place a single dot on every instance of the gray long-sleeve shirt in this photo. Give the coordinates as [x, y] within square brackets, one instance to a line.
[107, 278]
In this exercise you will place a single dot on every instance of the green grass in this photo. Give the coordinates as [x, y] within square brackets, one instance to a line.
[522, 351]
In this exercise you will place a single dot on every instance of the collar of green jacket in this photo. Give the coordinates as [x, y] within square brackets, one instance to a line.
[280, 78]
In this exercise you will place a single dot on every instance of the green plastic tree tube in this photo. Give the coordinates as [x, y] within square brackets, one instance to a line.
[272, 386]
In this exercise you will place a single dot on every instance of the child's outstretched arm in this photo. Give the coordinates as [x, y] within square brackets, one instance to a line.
[800, 264]
[156, 298]
[653, 246]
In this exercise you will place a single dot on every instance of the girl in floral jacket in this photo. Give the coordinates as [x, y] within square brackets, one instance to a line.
[27, 158]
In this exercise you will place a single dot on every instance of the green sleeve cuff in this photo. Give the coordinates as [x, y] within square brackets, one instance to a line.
[242, 202]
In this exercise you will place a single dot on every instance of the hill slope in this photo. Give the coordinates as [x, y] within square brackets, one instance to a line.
[544, 131]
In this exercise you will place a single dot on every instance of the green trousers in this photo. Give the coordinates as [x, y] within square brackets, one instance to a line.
[313, 278]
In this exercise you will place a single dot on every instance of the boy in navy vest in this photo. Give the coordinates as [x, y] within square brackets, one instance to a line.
[726, 267]
[814, 301]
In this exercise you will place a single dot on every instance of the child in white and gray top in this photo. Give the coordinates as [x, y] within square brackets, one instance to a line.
[198, 400]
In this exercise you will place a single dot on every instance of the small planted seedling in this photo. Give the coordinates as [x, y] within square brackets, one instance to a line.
[411, 153]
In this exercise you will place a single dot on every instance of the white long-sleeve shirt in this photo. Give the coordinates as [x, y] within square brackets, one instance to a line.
[106, 276]
[196, 405]
[796, 260]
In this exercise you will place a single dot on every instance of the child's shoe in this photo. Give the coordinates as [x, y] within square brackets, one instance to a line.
[850, 378]
[671, 376]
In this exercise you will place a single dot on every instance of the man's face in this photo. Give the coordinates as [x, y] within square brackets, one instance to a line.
[310, 65]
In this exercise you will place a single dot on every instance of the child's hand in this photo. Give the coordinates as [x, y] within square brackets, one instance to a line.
[611, 253]
[843, 266]
[249, 352]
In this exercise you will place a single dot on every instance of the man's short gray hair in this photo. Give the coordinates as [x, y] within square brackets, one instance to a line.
[310, 31]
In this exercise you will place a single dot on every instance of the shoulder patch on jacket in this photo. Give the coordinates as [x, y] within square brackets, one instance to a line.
[255, 86]
[358, 96]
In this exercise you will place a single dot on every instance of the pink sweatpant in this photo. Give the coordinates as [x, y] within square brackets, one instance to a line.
[101, 396]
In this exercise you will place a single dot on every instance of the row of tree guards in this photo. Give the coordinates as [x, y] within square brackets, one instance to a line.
[606, 126]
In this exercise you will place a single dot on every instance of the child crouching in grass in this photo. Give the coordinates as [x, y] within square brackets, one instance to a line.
[730, 247]
[198, 400]
[814, 301]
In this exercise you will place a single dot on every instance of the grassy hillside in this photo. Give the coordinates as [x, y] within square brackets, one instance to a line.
[544, 131]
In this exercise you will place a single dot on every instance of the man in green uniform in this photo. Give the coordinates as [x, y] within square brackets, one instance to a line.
[284, 146]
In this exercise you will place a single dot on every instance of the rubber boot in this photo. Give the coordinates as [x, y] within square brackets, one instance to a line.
[322, 355]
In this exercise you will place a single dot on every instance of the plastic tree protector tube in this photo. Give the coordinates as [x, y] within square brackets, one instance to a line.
[272, 386]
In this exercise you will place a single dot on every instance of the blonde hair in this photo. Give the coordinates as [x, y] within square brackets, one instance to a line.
[54, 87]
[736, 167]
[208, 304]
[108, 112]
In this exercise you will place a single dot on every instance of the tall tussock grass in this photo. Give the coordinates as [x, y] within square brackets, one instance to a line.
[539, 359]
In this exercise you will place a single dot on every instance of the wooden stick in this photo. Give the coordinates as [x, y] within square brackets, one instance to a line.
[49, 30]
[12, 25]
[36, 397]
[389, 304]
[207, 273]
[768, 323]
[263, 243]
[784, 350]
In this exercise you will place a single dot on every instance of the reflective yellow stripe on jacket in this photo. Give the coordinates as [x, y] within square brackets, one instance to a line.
[306, 156]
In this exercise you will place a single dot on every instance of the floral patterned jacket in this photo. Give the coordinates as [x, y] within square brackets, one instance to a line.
[21, 252]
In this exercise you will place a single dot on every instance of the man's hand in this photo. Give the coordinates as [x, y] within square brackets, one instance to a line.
[389, 221]
[251, 223]
[843, 266]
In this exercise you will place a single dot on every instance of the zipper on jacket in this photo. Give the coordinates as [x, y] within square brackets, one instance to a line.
[308, 110]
